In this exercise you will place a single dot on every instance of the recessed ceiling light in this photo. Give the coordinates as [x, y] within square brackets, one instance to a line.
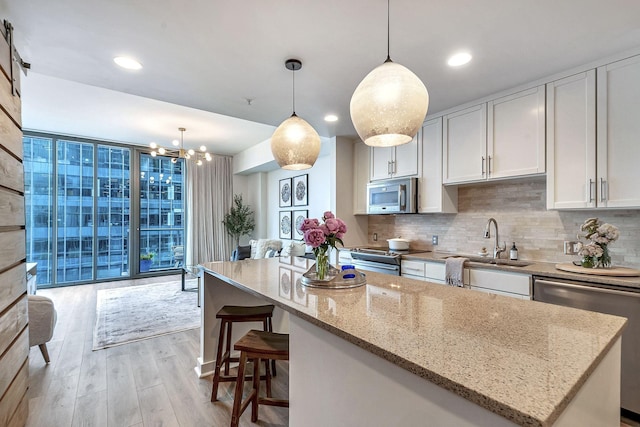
[459, 59]
[128, 63]
[330, 118]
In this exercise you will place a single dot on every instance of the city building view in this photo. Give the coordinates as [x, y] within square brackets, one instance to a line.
[79, 219]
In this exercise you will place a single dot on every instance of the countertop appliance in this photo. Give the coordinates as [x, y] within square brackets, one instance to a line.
[394, 196]
[380, 260]
[624, 302]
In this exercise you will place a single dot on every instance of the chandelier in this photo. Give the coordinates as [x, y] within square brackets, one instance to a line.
[179, 151]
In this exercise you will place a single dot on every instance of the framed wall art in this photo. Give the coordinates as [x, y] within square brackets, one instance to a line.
[298, 217]
[301, 190]
[285, 193]
[285, 225]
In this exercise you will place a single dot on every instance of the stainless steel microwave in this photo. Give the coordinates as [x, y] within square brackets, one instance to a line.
[394, 196]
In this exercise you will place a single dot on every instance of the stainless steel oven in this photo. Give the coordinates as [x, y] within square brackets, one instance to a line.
[376, 260]
[380, 260]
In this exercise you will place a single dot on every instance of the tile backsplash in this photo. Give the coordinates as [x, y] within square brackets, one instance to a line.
[522, 216]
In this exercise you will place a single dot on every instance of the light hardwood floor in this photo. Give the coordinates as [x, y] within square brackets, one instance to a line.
[145, 383]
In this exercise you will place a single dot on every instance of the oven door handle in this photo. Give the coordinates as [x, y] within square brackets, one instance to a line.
[381, 266]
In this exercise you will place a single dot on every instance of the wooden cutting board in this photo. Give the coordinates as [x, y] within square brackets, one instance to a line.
[612, 271]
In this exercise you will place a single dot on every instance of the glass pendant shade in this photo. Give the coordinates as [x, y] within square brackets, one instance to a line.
[295, 144]
[389, 106]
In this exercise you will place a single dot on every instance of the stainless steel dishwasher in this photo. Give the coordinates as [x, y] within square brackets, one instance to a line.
[609, 300]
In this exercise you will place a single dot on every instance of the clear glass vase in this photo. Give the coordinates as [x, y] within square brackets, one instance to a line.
[322, 263]
[604, 261]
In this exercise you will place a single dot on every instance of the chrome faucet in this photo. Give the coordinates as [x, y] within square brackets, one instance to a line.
[497, 249]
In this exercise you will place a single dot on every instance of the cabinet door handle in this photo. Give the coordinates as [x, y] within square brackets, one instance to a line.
[591, 184]
[488, 166]
[393, 166]
[482, 165]
[603, 187]
[388, 167]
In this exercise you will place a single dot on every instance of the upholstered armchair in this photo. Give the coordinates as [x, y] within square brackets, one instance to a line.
[42, 320]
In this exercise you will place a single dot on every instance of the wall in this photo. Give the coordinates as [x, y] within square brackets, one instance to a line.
[520, 209]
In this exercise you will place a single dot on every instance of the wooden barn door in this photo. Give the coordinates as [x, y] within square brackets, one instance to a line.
[14, 331]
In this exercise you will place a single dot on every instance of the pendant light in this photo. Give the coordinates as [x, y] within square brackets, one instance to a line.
[295, 144]
[390, 104]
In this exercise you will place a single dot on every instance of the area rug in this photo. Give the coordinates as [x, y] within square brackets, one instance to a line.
[136, 313]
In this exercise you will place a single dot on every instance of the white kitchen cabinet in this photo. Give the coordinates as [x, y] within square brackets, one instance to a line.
[429, 271]
[504, 138]
[571, 142]
[618, 134]
[517, 285]
[344, 257]
[593, 140]
[516, 134]
[464, 145]
[432, 195]
[361, 159]
[395, 162]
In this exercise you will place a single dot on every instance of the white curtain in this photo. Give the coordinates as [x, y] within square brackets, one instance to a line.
[209, 196]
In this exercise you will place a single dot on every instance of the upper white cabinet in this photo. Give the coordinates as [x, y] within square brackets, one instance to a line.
[503, 138]
[571, 142]
[516, 134]
[361, 158]
[618, 144]
[395, 162]
[465, 145]
[432, 195]
[593, 141]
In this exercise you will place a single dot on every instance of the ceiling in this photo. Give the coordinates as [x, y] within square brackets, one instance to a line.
[213, 55]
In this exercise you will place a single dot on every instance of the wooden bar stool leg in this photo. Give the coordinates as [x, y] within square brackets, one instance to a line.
[237, 399]
[228, 359]
[256, 389]
[216, 372]
[270, 329]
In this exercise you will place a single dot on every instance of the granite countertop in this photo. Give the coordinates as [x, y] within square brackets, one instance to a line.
[523, 360]
[535, 268]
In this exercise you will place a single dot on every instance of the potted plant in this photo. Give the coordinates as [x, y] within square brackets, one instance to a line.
[145, 261]
[239, 221]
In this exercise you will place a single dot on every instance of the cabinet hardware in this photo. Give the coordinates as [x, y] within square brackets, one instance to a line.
[488, 166]
[603, 186]
[388, 167]
[482, 165]
[591, 184]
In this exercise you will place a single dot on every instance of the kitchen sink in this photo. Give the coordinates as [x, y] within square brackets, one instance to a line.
[483, 260]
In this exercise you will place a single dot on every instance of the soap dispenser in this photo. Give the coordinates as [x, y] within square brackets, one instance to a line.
[513, 253]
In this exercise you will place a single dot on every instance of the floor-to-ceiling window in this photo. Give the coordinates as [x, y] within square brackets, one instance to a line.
[79, 209]
[161, 211]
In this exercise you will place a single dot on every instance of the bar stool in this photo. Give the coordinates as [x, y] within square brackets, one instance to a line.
[258, 346]
[230, 314]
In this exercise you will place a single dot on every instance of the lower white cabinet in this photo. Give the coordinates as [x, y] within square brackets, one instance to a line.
[517, 285]
[428, 271]
[344, 257]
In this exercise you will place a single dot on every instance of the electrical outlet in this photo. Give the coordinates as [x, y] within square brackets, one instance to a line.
[570, 248]
[375, 237]
[434, 240]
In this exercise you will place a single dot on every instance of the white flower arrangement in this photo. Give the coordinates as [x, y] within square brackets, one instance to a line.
[596, 253]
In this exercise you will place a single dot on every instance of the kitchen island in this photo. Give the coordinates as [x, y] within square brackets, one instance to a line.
[402, 352]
